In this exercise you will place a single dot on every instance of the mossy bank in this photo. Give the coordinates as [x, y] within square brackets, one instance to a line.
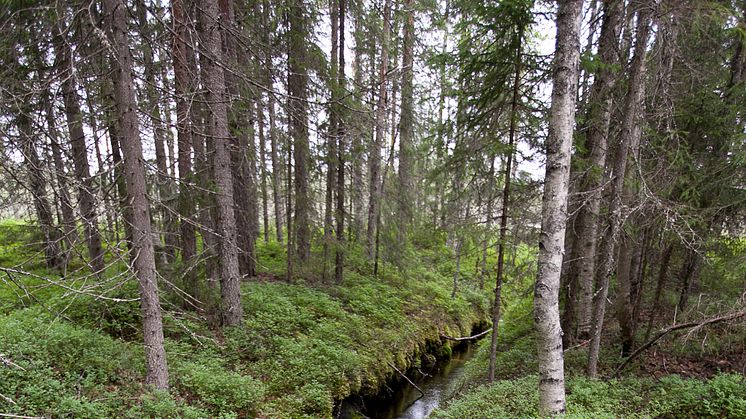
[303, 345]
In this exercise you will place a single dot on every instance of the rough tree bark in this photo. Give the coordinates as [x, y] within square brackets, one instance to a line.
[631, 114]
[79, 151]
[554, 209]
[134, 173]
[37, 187]
[230, 290]
[582, 259]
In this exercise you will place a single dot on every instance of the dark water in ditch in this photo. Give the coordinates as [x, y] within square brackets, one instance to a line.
[403, 401]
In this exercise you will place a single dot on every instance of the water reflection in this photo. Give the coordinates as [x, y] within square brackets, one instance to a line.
[405, 402]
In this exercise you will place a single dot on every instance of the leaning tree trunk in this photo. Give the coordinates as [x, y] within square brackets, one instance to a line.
[79, 151]
[230, 280]
[582, 258]
[134, 173]
[554, 209]
[632, 108]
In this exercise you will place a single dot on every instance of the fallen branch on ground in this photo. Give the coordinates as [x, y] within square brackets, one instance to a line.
[7, 399]
[7, 362]
[664, 332]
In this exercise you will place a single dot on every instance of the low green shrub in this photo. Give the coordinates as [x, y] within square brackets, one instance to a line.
[670, 397]
[223, 391]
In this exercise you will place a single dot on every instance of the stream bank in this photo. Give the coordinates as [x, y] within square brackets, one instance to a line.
[416, 394]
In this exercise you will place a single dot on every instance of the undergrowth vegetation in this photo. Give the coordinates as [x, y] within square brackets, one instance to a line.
[715, 392]
[304, 345]
[670, 397]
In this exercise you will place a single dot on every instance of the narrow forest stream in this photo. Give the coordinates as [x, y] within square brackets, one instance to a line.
[404, 401]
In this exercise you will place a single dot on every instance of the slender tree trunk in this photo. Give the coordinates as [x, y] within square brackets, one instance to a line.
[183, 55]
[298, 121]
[276, 170]
[331, 143]
[245, 194]
[624, 281]
[134, 172]
[80, 152]
[168, 224]
[289, 208]
[374, 158]
[263, 170]
[406, 128]
[230, 290]
[38, 187]
[554, 209]
[487, 221]
[457, 272]
[505, 204]
[341, 150]
[116, 159]
[588, 49]
[274, 147]
[689, 272]
[582, 259]
[60, 174]
[638, 282]
[632, 108]
[360, 131]
[661, 283]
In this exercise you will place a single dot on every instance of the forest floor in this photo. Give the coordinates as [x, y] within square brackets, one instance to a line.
[679, 378]
[304, 345]
[309, 343]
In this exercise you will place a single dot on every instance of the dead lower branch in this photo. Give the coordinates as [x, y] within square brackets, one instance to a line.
[664, 332]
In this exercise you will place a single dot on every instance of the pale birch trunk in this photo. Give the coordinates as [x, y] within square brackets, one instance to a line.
[554, 209]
